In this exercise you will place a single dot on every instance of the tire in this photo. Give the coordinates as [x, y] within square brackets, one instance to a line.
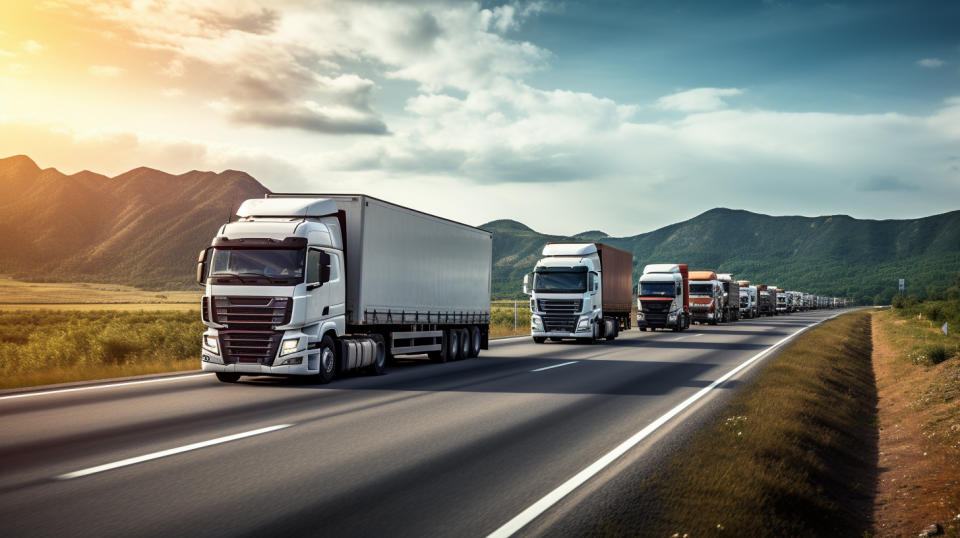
[327, 360]
[539, 339]
[616, 331]
[228, 377]
[453, 345]
[464, 344]
[594, 334]
[380, 362]
[475, 341]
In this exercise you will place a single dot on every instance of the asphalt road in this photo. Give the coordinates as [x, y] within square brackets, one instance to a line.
[457, 449]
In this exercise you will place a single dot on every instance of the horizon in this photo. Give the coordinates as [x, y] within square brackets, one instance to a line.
[490, 110]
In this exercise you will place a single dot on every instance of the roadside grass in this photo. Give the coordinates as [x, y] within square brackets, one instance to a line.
[46, 346]
[918, 375]
[793, 454]
[39, 347]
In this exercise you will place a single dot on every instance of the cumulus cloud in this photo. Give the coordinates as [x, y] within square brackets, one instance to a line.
[698, 100]
[931, 63]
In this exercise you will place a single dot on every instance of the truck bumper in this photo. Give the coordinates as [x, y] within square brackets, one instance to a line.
[302, 362]
[559, 334]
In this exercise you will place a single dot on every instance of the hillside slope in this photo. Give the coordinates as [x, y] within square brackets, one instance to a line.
[143, 227]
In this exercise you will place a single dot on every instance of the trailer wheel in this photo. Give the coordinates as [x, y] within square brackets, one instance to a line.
[328, 360]
[474, 341]
[228, 377]
[380, 360]
[465, 344]
[453, 345]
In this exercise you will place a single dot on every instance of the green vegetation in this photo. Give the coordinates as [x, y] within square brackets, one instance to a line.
[791, 455]
[40, 347]
[836, 256]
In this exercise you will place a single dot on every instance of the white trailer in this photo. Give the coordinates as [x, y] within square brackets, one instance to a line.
[316, 284]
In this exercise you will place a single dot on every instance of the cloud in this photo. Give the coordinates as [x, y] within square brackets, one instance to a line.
[698, 100]
[32, 46]
[309, 116]
[885, 183]
[931, 63]
[105, 71]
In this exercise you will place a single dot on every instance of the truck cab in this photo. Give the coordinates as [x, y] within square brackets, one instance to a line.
[706, 297]
[663, 297]
[580, 291]
[782, 301]
[273, 287]
[748, 299]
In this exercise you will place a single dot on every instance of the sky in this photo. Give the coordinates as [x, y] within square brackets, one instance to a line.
[618, 116]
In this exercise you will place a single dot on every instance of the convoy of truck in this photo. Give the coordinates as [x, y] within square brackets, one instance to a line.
[324, 284]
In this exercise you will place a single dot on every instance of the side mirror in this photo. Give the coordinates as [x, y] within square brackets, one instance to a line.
[526, 284]
[594, 282]
[202, 266]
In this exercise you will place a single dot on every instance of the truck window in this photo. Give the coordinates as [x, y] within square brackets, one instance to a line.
[313, 270]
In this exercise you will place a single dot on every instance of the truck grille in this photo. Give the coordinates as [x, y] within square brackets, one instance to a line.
[249, 347]
[655, 312]
[252, 313]
[560, 314]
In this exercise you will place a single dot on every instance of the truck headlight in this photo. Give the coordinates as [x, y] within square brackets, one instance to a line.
[639, 315]
[536, 323]
[289, 346]
[210, 342]
[583, 324]
[673, 316]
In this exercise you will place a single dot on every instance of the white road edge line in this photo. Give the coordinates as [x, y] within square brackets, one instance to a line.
[554, 366]
[170, 452]
[110, 386]
[544, 504]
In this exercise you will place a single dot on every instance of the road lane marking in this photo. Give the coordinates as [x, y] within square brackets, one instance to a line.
[554, 366]
[110, 386]
[687, 336]
[164, 453]
[536, 509]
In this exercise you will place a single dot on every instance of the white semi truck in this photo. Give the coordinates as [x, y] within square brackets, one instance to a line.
[748, 300]
[581, 291]
[663, 297]
[317, 284]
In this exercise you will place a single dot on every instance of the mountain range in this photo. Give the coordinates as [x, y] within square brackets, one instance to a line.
[145, 227]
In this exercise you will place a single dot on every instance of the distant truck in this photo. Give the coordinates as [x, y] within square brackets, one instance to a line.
[663, 297]
[781, 301]
[731, 297]
[580, 290]
[318, 284]
[767, 299]
[706, 297]
[748, 300]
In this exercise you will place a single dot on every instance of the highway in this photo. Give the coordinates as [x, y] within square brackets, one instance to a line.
[516, 441]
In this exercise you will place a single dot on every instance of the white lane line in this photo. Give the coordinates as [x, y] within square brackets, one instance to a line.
[555, 366]
[170, 452]
[687, 336]
[110, 386]
[544, 504]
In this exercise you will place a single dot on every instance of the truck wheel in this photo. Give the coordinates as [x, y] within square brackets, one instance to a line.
[328, 360]
[380, 359]
[614, 327]
[539, 339]
[453, 345]
[228, 377]
[474, 341]
[464, 344]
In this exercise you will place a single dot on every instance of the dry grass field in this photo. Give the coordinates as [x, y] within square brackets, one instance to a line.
[15, 295]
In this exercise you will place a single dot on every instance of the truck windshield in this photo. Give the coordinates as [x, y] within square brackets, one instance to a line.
[254, 266]
[656, 289]
[744, 300]
[560, 282]
[701, 289]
